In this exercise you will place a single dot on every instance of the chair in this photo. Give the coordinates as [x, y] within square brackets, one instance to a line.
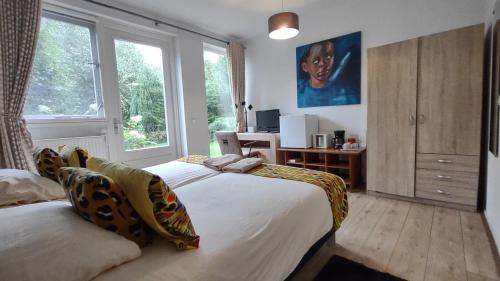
[230, 144]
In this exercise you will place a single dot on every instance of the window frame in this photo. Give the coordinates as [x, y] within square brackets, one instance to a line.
[215, 49]
[112, 32]
[84, 21]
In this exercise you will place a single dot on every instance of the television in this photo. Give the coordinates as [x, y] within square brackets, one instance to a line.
[268, 120]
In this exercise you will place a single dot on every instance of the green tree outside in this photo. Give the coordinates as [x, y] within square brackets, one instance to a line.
[62, 83]
[142, 98]
[220, 106]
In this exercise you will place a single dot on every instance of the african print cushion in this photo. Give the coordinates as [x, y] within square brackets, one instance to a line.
[99, 200]
[48, 162]
[75, 156]
[156, 203]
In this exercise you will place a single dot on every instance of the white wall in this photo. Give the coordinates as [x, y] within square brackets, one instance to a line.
[493, 181]
[271, 78]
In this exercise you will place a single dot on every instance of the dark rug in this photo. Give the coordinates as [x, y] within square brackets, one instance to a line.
[342, 269]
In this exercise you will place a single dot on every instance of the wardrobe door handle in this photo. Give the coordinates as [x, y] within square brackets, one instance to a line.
[116, 125]
[412, 119]
[442, 192]
[445, 161]
[421, 119]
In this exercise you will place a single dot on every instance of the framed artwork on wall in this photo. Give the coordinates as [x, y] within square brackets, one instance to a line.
[495, 90]
[329, 72]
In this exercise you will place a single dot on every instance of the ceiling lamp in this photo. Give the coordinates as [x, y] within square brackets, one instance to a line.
[283, 25]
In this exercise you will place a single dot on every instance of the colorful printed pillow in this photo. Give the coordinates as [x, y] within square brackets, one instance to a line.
[75, 156]
[99, 200]
[155, 202]
[48, 162]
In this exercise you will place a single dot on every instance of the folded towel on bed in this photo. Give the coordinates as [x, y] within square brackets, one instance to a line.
[243, 165]
[217, 163]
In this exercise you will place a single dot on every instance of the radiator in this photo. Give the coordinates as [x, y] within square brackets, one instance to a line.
[95, 145]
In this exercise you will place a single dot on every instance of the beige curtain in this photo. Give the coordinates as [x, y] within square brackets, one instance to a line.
[236, 61]
[19, 25]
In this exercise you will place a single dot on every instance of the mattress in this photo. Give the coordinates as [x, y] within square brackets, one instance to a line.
[251, 228]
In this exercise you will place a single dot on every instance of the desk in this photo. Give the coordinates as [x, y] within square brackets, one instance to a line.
[266, 144]
[346, 164]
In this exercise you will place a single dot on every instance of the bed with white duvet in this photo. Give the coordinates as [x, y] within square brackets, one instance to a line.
[251, 228]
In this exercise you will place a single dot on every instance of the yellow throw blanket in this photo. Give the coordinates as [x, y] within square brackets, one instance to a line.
[333, 185]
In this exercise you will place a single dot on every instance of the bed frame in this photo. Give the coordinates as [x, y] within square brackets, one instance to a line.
[328, 239]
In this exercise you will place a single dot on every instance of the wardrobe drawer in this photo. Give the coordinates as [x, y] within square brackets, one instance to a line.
[449, 186]
[441, 178]
[443, 162]
[447, 194]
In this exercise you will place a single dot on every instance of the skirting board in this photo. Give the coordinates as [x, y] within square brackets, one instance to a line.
[425, 201]
[492, 241]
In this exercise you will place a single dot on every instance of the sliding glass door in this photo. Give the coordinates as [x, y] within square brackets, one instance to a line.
[220, 107]
[142, 103]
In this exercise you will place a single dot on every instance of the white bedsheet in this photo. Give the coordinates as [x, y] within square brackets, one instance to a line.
[49, 242]
[251, 228]
[177, 173]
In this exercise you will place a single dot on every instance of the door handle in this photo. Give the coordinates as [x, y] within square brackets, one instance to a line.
[116, 125]
[442, 192]
[421, 119]
[445, 161]
[412, 119]
[441, 177]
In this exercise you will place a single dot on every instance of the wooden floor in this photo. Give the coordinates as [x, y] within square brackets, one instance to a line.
[411, 241]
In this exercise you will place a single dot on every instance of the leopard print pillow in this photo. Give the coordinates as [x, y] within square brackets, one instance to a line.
[155, 202]
[48, 163]
[99, 200]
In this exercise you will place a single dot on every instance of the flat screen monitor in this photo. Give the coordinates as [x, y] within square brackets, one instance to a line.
[268, 120]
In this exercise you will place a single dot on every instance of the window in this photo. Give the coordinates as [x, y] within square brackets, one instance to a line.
[142, 95]
[220, 106]
[65, 80]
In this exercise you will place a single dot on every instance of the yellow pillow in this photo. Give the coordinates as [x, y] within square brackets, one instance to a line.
[155, 202]
[75, 156]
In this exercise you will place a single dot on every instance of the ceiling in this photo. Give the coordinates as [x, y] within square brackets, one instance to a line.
[238, 19]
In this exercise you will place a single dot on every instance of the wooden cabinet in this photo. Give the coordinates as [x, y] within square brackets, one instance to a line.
[450, 91]
[392, 105]
[345, 164]
[424, 116]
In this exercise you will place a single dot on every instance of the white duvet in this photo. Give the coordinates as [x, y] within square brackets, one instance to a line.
[49, 241]
[251, 228]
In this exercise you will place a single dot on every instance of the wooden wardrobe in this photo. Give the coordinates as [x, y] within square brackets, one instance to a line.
[424, 117]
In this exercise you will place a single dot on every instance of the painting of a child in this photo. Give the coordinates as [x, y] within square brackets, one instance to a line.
[329, 72]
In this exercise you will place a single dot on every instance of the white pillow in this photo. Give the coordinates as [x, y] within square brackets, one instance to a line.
[21, 187]
[49, 241]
